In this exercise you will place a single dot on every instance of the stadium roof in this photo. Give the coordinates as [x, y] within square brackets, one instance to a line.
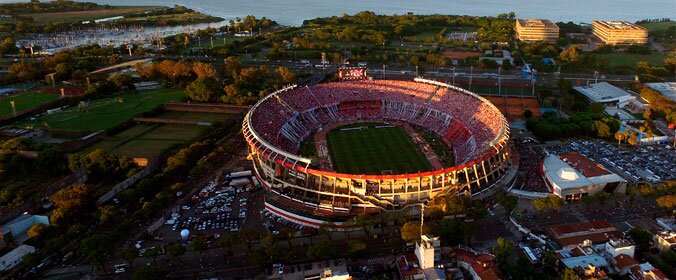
[604, 92]
[573, 170]
[666, 89]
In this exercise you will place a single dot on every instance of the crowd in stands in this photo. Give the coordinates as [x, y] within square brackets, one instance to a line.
[530, 161]
[464, 122]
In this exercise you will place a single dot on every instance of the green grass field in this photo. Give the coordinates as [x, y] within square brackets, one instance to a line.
[374, 150]
[106, 113]
[148, 140]
[630, 59]
[58, 17]
[658, 26]
[25, 101]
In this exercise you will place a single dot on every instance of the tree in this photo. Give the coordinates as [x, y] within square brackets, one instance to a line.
[97, 249]
[202, 89]
[323, 249]
[667, 201]
[410, 231]
[285, 75]
[153, 253]
[199, 245]
[36, 230]
[364, 221]
[602, 129]
[503, 250]
[148, 272]
[641, 236]
[70, 202]
[356, 247]
[51, 161]
[129, 255]
[570, 55]
[569, 274]
[326, 228]
[204, 70]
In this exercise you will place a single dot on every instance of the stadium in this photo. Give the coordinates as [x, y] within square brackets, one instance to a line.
[369, 154]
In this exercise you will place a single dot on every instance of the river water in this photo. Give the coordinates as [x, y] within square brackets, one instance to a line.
[293, 12]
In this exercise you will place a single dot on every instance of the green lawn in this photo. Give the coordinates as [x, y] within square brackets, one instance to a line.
[195, 116]
[25, 101]
[373, 150]
[658, 26]
[630, 59]
[74, 16]
[106, 113]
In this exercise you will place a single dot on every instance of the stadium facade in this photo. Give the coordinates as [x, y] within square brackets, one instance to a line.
[304, 191]
[573, 176]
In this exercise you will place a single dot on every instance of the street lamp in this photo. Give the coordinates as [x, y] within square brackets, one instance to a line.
[383, 71]
[453, 75]
[532, 81]
[499, 82]
[596, 76]
[471, 73]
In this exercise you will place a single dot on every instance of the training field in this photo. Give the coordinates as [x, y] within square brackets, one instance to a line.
[146, 140]
[366, 148]
[105, 113]
[25, 101]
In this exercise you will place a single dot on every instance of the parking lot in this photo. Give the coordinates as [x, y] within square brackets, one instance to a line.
[653, 164]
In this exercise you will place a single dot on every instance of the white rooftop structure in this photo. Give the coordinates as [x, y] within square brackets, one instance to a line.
[605, 93]
[666, 89]
[565, 176]
[15, 257]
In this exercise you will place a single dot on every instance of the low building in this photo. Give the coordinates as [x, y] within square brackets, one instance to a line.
[619, 32]
[8, 91]
[668, 89]
[18, 227]
[407, 266]
[646, 271]
[478, 265]
[573, 176]
[622, 264]
[665, 240]
[584, 261]
[15, 257]
[570, 236]
[606, 93]
[535, 30]
[615, 247]
[666, 223]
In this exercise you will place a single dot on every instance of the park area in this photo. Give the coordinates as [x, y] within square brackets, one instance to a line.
[374, 148]
[104, 113]
[74, 16]
[25, 101]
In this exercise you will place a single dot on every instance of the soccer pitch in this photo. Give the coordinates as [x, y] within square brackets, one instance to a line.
[374, 148]
[105, 113]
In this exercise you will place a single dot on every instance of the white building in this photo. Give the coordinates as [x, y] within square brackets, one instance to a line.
[606, 93]
[427, 251]
[15, 257]
[572, 176]
[666, 89]
[614, 247]
[665, 240]
[19, 226]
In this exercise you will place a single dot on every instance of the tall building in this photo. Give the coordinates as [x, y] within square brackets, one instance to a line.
[619, 32]
[534, 30]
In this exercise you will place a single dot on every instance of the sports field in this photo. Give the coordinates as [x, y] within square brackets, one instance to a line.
[105, 113]
[25, 101]
[374, 148]
[148, 140]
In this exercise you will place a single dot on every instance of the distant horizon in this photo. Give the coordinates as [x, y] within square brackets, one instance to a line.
[294, 12]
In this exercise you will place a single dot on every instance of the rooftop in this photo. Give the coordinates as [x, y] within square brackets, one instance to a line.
[604, 92]
[573, 170]
[619, 243]
[619, 25]
[408, 266]
[529, 22]
[667, 89]
[597, 231]
[623, 260]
